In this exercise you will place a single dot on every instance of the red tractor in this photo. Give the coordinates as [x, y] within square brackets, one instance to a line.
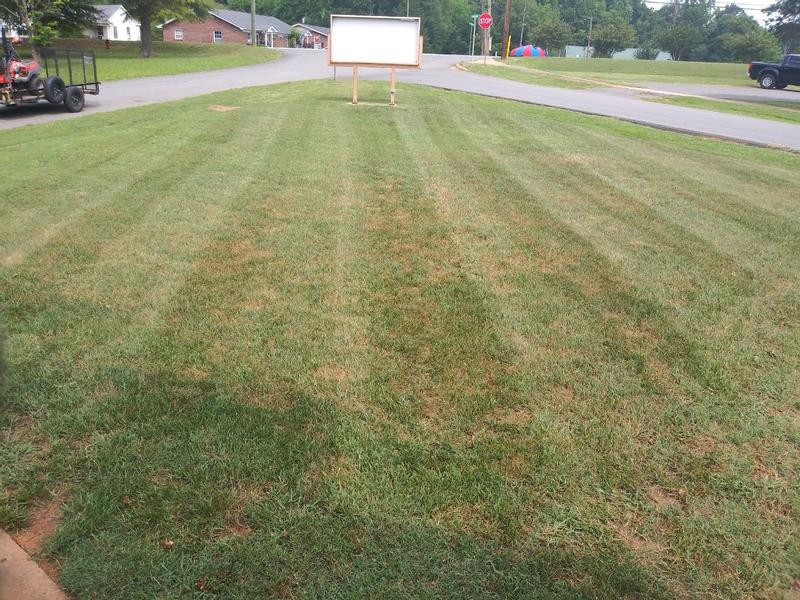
[21, 81]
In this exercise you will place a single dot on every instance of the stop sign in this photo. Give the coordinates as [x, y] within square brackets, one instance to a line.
[485, 20]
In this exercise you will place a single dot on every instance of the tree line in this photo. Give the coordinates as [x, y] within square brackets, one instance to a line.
[686, 29]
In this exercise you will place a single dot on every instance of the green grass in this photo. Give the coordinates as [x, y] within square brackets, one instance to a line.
[788, 112]
[526, 76]
[460, 348]
[121, 61]
[632, 72]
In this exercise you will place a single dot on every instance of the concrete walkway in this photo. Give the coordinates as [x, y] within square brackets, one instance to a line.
[438, 71]
[20, 577]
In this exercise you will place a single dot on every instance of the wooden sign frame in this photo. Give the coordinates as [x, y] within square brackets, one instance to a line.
[377, 65]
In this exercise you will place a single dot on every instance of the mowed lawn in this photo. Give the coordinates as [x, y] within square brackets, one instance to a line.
[121, 60]
[788, 112]
[567, 72]
[267, 343]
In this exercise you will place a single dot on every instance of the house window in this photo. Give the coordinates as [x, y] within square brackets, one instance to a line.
[217, 36]
[99, 33]
[116, 37]
[128, 31]
[179, 35]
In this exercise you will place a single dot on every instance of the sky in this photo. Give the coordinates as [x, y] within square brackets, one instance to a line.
[751, 7]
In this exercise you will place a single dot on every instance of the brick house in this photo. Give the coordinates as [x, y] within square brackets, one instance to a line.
[312, 36]
[228, 26]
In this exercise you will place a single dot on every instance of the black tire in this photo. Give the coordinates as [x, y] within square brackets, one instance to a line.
[74, 100]
[35, 84]
[54, 90]
[767, 81]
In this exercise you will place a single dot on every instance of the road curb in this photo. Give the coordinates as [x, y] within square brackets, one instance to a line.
[20, 577]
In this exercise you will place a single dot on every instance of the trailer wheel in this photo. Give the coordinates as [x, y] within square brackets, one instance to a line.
[35, 84]
[54, 90]
[74, 99]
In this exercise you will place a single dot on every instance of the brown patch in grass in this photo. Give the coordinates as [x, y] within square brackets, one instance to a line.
[222, 108]
[644, 549]
[516, 466]
[662, 499]
[511, 417]
[763, 473]
[335, 373]
[701, 445]
[469, 516]
[272, 400]
[236, 529]
[336, 468]
[194, 374]
[21, 430]
[44, 522]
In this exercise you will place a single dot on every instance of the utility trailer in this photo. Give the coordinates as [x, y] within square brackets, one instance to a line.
[64, 77]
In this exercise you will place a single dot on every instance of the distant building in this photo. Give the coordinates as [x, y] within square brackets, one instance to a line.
[228, 26]
[313, 36]
[627, 54]
[11, 32]
[114, 23]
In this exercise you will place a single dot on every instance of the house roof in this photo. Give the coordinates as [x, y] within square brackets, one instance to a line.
[242, 21]
[326, 31]
[106, 11]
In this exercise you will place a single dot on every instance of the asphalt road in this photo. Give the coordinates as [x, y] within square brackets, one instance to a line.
[438, 71]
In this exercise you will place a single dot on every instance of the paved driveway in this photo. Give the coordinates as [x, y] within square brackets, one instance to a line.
[438, 71]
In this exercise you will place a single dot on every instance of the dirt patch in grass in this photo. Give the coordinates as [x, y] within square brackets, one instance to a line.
[701, 445]
[222, 108]
[645, 550]
[44, 522]
[517, 417]
[276, 400]
[663, 499]
[194, 374]
[763, 473]
[335, 373]
[20, 430]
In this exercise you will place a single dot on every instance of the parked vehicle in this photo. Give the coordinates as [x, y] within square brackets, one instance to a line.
[63, 77]
[776, 76]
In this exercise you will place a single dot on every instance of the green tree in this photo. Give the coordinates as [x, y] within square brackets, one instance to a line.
[147, 11]
[42, 19]
[612, 34]
[785, 23]
[294, 37]
[550, 32]
[750, 46]
[679, 40]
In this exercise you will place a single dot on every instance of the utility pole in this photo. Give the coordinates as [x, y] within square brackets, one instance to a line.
[524, 16]
[253, 40]
[474, 25]
[589, 44]
[408, 7]
[488, 34]
[675, 13]
[506, 29]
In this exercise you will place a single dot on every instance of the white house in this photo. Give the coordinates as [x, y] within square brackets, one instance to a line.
[114, 23]
[11, 33]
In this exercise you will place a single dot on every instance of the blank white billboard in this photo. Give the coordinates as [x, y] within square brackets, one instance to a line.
[379, 41]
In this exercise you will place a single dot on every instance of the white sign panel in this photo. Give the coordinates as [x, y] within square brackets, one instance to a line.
[379, 41]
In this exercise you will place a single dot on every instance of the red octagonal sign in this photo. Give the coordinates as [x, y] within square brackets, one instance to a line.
[485, 20]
